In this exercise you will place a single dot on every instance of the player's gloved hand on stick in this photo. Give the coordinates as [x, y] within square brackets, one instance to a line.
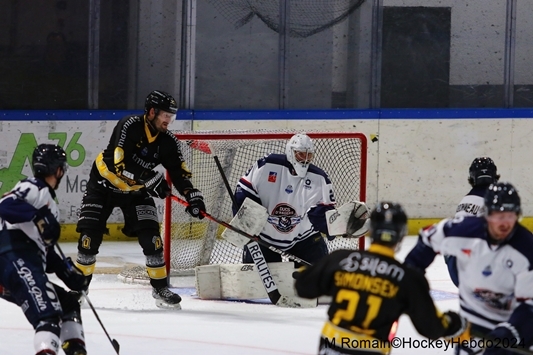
[196, 203]
[47, 225]
[156, 185]
[457, 325]
[72, 276]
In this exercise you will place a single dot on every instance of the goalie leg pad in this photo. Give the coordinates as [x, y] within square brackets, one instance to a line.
[242, 282]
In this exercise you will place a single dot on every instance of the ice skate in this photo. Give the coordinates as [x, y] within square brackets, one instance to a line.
[164, 298]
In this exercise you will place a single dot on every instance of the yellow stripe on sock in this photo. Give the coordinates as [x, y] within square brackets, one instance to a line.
[86, 269]
[157, 273]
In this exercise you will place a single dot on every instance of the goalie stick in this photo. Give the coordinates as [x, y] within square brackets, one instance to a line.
[258, 258]
[114, 342]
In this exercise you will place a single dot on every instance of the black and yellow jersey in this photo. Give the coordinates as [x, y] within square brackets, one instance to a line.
[370, 290]
[133, 151]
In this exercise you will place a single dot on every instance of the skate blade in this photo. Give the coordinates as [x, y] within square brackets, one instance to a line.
[163, 305]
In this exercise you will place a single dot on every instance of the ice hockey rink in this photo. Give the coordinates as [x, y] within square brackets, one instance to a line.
[202, 327]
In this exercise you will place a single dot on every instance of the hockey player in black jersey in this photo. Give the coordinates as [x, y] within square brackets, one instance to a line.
[123, 176]
[371, 289]
[29, 228]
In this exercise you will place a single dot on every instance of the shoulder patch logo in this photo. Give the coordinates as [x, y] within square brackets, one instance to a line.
[466, 251]
[272, 176]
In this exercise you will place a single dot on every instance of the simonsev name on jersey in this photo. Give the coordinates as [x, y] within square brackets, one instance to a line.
[291, 201]
[370, 289]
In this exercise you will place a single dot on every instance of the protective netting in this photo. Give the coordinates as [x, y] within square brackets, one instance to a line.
[306, 17]
[196, 242]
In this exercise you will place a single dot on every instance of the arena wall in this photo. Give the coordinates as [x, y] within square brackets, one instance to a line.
[419, 158]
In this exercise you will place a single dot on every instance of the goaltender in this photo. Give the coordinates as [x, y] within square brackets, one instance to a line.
[371, 289]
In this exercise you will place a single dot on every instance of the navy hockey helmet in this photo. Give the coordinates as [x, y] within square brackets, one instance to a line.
[502, 197]
[160, 100]
[388, 223]
[483, 171]
[47, 158]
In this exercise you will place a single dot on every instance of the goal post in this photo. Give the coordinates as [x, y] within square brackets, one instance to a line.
[190, 242]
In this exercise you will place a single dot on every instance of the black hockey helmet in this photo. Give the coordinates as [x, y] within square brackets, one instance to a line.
[483, 171]
[502, 197]
[47, 158]
[388, 223]
[160, 100]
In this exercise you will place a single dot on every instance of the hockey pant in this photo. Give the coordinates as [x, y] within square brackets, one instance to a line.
[310, 249]
[141, 222]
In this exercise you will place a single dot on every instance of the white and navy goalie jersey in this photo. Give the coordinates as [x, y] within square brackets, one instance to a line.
[494, 278]
[472, 203]
[296, 206]
[18, 207]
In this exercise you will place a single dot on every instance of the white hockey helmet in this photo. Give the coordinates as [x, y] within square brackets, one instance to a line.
[300, 151]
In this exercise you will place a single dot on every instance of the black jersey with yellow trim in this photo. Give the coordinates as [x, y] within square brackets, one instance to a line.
[133, 151]
[370, 290]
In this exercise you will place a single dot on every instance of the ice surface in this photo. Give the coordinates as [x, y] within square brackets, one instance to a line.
[130, 316]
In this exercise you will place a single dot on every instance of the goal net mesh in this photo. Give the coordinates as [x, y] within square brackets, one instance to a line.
[190, 242]
[306, 17]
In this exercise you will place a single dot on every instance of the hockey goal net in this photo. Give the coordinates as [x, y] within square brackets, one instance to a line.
[190, 242]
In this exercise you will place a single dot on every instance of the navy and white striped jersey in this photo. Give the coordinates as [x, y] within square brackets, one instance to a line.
[296, 206]
[19, 206]
[494, 278]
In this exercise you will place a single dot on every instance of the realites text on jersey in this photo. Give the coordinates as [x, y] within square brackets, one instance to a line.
[287, 198]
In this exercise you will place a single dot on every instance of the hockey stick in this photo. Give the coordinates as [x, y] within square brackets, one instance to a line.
[243, 233]
[259, 260]
[114, 342]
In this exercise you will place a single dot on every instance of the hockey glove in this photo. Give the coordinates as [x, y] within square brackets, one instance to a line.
[457, 328]
[156, 185]
[196, 203]
[47, 225]
[72, 276]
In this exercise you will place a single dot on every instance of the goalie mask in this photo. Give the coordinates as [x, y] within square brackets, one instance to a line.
[502, 197]
[300, 151]
[388, 224]
[483, 171]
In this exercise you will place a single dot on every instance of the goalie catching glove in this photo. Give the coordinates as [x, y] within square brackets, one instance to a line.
[156, 185]
[351, 220]
[47, 225]
[196, 203]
